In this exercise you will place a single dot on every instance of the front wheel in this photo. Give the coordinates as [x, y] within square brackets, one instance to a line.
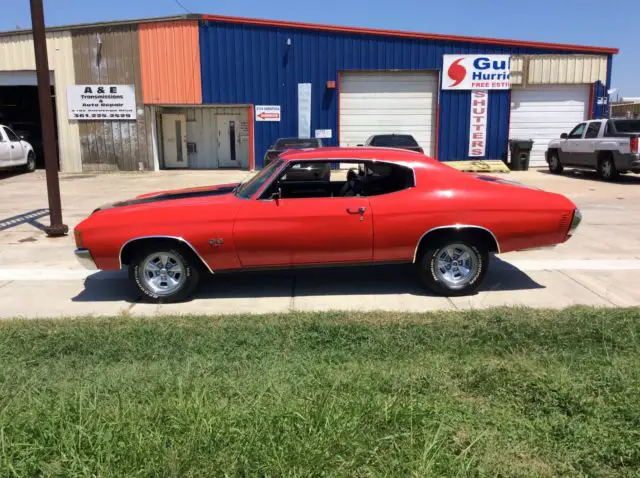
[555, 166]
[31, 163]
[164, 275]
[453, 268]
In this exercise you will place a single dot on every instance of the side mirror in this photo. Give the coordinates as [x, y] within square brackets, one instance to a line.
[564, 136]
[277, 195]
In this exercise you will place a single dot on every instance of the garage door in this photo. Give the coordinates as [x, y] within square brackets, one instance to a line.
[378, 103]
[543, 113]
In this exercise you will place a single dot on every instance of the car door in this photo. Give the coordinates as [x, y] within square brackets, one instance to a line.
[5, 149]
[295, 231]
[18, 152]
[587, 156]
[570, 148]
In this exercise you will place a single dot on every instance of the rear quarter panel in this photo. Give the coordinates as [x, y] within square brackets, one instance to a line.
[519, 218]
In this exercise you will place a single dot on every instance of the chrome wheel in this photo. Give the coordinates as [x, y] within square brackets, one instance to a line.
[456, 265]
[607, 169]
[163, 273]
[553, 162]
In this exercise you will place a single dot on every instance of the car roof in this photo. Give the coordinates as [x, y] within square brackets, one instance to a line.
[392, 155]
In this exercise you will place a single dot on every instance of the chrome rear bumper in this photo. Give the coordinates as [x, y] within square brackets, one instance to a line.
[84, 258]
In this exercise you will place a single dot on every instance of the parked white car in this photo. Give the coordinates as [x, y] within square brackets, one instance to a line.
[15, 152]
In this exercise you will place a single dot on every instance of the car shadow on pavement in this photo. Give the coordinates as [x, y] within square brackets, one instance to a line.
[326, 281]
[623, 179]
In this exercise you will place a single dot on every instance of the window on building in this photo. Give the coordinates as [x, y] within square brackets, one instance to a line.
[593, 129]
[316, 179]
[577, 131]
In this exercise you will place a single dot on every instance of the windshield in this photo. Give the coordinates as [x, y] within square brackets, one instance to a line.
[297, 143]
[396, 140]
[251, 186]
[628, 126]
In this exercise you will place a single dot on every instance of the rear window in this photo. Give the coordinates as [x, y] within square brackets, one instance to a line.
[627, 126]
[395, 140]
[298, 143]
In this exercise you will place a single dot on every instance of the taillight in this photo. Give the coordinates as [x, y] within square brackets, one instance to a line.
[633, 143]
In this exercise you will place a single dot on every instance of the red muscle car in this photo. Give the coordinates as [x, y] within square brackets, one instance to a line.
[330, 206]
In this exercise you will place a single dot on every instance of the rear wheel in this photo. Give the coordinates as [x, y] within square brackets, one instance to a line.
[607, 169]
[31, 163]
[555, 166]
[164, 274]
[454, 267]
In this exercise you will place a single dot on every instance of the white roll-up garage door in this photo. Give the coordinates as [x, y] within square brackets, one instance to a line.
[542, 113]
[388, 102]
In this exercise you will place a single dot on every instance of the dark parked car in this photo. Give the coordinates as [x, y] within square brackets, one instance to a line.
[400, 141]
[283, 144]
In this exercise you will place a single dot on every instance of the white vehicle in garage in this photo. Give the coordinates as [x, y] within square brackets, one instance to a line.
[15, 152]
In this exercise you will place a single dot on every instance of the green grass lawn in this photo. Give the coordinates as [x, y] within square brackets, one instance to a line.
[505, 392]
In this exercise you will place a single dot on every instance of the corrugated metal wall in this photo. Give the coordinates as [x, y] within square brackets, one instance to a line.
[253, 64]
[558, 69]
[170, 62]
[16, 53]
[112, 145]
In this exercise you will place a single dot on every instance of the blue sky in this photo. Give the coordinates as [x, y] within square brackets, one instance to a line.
[612, 24]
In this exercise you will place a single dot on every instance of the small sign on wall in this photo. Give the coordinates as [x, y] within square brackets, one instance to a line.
[267, 112]
[324, 133]
[101, 102]
[478, 124]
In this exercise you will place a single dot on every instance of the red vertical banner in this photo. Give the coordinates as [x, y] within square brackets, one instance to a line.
[478, 124]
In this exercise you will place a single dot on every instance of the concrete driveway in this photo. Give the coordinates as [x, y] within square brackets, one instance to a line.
[39, 277]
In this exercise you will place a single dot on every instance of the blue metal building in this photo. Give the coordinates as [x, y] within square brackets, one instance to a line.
[256, 62]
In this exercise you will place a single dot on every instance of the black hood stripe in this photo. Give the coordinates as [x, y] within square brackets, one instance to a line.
[169, 197]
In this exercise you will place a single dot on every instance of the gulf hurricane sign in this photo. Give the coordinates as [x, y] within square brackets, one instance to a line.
[476, 72]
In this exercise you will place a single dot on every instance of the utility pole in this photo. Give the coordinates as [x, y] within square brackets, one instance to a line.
[56, 228]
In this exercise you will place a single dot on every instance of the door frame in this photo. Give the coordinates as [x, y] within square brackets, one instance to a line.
[183, 140]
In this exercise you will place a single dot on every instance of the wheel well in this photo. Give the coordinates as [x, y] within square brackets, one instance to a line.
[479, 236]
[132, 247]
[602, 155]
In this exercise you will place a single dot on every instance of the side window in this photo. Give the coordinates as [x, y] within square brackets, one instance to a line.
[316, 179]
[11, 135]
[593, 129]
[577, 131]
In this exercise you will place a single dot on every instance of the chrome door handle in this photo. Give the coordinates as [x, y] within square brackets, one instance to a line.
[360, 210]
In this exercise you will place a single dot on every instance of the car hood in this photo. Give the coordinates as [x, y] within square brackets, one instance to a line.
[162, 196]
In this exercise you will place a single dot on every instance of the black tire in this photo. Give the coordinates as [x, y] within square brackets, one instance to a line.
[433, 280]
[184, 257]
[607, 169]
[555, 166]
[31, 163]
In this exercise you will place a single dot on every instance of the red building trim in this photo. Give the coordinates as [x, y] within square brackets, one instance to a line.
[506, 158]
[414, 35]
[252, 145]
[338, 93]
[592, 90]
[437, 133]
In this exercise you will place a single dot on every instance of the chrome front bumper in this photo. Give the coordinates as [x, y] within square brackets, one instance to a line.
[84, 258]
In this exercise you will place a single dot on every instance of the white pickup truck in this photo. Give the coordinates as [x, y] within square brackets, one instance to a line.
[610, 146]
[15, 152]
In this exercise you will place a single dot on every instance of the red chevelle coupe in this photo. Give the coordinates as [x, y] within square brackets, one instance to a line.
[330, 206]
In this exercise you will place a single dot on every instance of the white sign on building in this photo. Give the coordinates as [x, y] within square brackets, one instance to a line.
[101, 102]
[476, 72]
[267, 112]
[478, 128]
